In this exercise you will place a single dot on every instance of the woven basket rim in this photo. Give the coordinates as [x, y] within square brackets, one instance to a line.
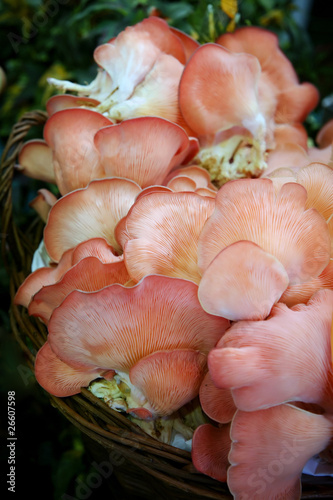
[108, 428]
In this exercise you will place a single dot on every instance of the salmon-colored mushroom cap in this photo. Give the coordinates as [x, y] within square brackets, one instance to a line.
[43, 202]
[317, 179]
[87, 213]
[142, 149]
[292, 134]
[242, 282]
[117, 327]
[270, 449]
[165, 315]
[210, 449]
[96, 247]
[161, 235]
[156, 95]
[130, 56]
[250, 209]
[198, 175]
[70, 134]
[286, 155]
[278, 81]
[217, 403]
[35, 161]
[169, 379]
[89, 274]
[302, 293]
[252, 357]
[189, 44]
[58, 377]
[65, 101]
[218, 90]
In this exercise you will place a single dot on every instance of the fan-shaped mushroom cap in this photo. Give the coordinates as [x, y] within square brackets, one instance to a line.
[169, 379]
[286, 155]
[302, 293]
[95, 247]
[189, 44]
[35, 161]
[89, 274]
[161, 234]
[60, 379]
[130, 56]
[70, 135]
[218, 90]
[156, 95]
[242, 282]
[59, 102]
[292, 134]
[198, 175]
[249, 209]
[138, 330]
[43, 202]
[142, 149]
[278, 81]
[217, 403]
[87, 213]
[115, 327]
[270, 449]
[253, 357]
[317, 179]
[210, 449]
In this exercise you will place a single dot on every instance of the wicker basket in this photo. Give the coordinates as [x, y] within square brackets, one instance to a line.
[142, 467]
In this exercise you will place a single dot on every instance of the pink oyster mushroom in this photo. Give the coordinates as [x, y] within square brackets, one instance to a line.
[234, 94]
[270, 449]
[83, 145]
[91, 212]
[263, 453]
[160, 348]
[255, 356]
[256, 243]
[317, 179]
[89, 274]
[43, 277]
[191, 178]
[294, 154]
[139, 73]
[164, 241]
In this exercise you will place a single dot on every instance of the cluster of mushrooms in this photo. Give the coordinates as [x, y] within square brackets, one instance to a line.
[188, 253]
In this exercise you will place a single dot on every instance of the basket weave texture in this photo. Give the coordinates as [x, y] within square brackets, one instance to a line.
[142, 466]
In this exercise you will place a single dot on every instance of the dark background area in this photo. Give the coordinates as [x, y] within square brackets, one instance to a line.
[51, 460]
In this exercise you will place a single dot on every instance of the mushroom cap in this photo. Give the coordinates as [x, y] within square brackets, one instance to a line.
[70, 135]
[250, 209]
[88, 213]
[217, 403]
[89, 275]
[142, 149]
[242, 282]
[210, 449]
[270, 449]
[35, 161]
[161, 234]
[254, 356]
[218, 90]
[118, 326]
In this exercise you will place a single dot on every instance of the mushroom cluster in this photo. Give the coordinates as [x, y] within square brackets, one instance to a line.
[189, 250]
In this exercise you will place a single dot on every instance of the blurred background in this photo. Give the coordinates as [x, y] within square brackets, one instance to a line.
[42, 38]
